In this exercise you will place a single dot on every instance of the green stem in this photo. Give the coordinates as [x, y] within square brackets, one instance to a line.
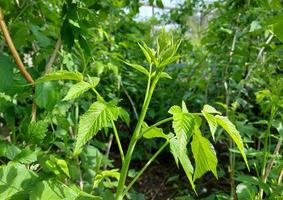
[118, 141]
[99, 97]
[134, 139]
[146, 166]
[157, 124]
[267, 146]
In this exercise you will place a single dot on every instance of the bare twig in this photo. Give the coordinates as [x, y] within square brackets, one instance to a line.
[53, 56]
[108, 148]
[280, 177]
[13, 50]
[258, 56]
[130, 99]
[271, 161]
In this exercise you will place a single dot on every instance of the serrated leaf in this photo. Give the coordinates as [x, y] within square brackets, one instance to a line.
[212, 123]
[57, 166]
[138, 67]
[180, 155]
[93, 81]
[76, 90]
[230, 128]
[153, 132]
[36, 132]
[97, 117]
[105, 174]
[61, 75]
[26, 156]
[183, 123]
[124, 115]
[204, 154]
[210, 109]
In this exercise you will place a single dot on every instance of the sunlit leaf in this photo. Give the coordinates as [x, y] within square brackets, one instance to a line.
[77, 90]
[204, 154]
[230, 128]
[61, 75]
[97, 117]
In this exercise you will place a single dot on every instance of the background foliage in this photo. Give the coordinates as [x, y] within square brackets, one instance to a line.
[231, 59]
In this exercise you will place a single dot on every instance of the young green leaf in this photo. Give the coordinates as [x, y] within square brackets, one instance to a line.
[124, 115]
[36, 132]
[113, 173]
[212, 123]
[61, 75]
[183, 122]
[93, 81]
[210, 109]
[97, 117]
[148, 53]
[165, 75]
[138, 67]
[77, 89]
[153, 132]
[230, 128]
[204, 155]
[179, 152]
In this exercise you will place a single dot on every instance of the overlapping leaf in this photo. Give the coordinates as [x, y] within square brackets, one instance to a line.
[77, 89]
[97, 117]
[183, 122]
[230, 128]
[204, 154]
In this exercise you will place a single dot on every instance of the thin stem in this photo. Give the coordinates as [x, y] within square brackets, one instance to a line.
[118, 141]
[108, 149]
[99, 97]
[157, 124]
[53, 55]
[134, 139]
[145, 166]
[266, 147]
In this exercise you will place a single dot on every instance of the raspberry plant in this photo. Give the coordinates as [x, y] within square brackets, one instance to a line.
[186, 125]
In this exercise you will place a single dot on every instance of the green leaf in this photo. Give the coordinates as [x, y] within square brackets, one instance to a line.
[93, 81]
[124, 115]
[97, 117]
[204, 154]
[57, 166]
[148, 53]
[159, 3]
[47, 95]
[138, 67]
[36, 132]
[113, 173]
[153, 132]
[26, 156]
[15, 181]
[6, 68]
[183, 122]
[61, 75]
[210, 109]
[165, 75]
[77, 90]
[52, 189]
[212, 123]
[179, 152]
[276, 28]
[230, 128]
